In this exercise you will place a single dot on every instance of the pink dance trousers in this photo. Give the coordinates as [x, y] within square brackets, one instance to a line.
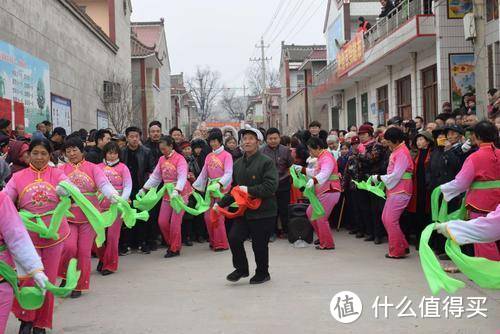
[42, 318]
[217, 235]
[108, 253]
[78, 245]
[6, 300]
[487, 250]
[322, 226]
[393, 209]
[170, 226]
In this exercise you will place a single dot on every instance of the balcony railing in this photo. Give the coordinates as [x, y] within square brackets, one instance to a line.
[403, 12]
[325, 73]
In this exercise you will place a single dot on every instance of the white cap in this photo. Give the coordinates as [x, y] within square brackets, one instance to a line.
[254, 130]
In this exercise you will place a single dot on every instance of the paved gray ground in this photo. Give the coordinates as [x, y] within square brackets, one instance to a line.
[189, 294]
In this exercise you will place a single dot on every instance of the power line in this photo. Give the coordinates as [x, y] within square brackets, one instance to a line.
[276, 13]
[293, 32]
[278, 23]
[288, 20]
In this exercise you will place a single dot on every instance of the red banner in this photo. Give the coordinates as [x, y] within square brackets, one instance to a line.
[351, 54]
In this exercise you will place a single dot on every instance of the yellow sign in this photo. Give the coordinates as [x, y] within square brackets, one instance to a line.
[351, 54]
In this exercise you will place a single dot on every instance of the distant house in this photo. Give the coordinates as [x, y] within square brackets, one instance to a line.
[150, 74]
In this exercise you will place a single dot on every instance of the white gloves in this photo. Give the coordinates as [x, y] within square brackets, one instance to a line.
[466, 146]
[217, 185]
[441, 229]
[61, 192]
[174, 193]
[374, 179]
[216, 207]
[114, 199]
[40, 279]
[244, 189]
[310, 183]
[141, 193]
[298, 168]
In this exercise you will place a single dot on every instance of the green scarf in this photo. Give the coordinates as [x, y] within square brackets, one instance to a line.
[377, 189]
[93, 215]
[150, 199]
[128, 214]
[483, 272]
[32, 298]
[39, 227]
[299, 181]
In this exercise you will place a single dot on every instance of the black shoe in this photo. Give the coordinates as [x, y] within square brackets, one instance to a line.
[63, 283]
[220, 250]
[125, 251]
[200, 240]
[377, 241]
[76, 294]
[353, 232]
[99, 266]
[316, 242]
[260, 278]
[188, 243]
[107, 272]
[236, 275]
[145, 249]
[369, 238]
[360, 235]
[153, 246]
[25, 327]
[170, 254]
[37, 330]
[407, 250]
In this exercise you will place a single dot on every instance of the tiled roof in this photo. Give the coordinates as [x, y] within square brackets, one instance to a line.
[149, 33]
[139, 50]
[298, 53]
[318, 54]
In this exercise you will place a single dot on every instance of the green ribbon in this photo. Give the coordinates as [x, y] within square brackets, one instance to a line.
[377, 189]
[483, 272]
[93, 215]
[38, 226]
[407, 176]
[150, 199]
[178, 204]
[128, 214]
[485, 185]
[32, 298]
[299, 181]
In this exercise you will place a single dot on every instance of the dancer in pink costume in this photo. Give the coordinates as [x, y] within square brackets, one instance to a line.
[15, 246]
[398, 182]
[119, 176]
[171, 168]
[324, 178]
[35, 189]
[218, 165]
[480, 177]
[89, 179]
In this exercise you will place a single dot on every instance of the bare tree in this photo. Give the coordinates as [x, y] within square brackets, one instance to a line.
[115, 95]
[204, 88]
[233, 105]
[254, 79]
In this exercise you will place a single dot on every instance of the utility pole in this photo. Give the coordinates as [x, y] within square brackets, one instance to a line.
[263, 60]
[481, 57]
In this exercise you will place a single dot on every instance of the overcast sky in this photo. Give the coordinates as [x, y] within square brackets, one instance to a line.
[222, 33]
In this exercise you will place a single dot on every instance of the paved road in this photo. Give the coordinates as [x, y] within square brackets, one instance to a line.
[189, 294]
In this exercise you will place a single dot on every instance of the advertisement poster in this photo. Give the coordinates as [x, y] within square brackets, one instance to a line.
[102, 120]
[24, 87]
[458, 8]
[61, 112]
[462, 78]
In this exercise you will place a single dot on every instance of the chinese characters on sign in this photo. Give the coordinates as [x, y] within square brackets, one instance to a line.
[351, 54]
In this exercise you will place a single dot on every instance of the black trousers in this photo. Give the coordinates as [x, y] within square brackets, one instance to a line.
[283, 199]
[260, 231]
[361, 212]
[376, 227]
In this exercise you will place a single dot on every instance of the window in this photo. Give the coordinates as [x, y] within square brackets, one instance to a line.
[364, 107]
[404, 97]
[300, 80]
[491, 10]
[429, 96]
[111, 92]
[382, 104]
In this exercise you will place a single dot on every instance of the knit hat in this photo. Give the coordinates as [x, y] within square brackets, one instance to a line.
[184, 144]
[355, 140]
[427, 135]
[365, 128]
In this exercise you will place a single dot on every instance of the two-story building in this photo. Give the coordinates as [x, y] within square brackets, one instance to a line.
[408, 63]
